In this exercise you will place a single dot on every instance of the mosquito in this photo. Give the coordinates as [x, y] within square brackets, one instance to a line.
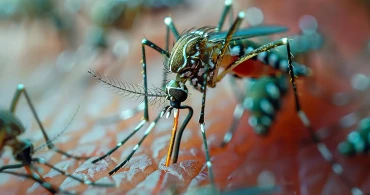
[263, 95]
[11, 127]
[358, 141]
[197, 57]
[263, 99]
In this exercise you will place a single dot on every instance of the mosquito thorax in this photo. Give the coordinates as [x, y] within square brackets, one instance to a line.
[10, 125]
[187, 53]
[176, 91]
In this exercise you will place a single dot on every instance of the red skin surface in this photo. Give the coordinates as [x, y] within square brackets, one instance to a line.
[285, 153]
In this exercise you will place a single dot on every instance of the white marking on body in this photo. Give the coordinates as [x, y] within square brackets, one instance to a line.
[273, 91]
[235, 51]
[272, 59]
[283, 65]
[248, 103]
[199, 86]
[261, 56]
[201, 71]
[252, 121]
[249, 49]
[210, 62]
[196, 54]
[266, 106]
[186, 74]
[149, 128]
[194, 81]
[184, 52]
[198, 32]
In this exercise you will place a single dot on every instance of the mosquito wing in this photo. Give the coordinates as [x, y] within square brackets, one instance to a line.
[249, 32]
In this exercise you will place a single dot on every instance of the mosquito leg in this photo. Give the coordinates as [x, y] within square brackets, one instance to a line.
[227, 7]
[182, 128]
[137, 128]
[15, 166]
[267, 47]
[148, 130]
[323, 149]
[145, 119]
[201, 123]
[249, 55]
[170, 27]
[36, 178]
[21, 89]
[150, 44]
[225, 45]
[238, 113]
[83, 181]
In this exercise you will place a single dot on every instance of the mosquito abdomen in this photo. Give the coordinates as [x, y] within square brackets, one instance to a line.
[263, 101]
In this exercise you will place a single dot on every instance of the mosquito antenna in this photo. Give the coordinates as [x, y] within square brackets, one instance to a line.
[59, 134]
[126, 88]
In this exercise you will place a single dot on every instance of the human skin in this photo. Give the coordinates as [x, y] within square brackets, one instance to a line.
[284, 153]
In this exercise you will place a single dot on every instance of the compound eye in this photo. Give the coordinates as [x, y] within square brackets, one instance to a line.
[177, 90]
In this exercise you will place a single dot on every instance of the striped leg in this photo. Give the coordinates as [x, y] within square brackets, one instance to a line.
[225, 45]
[34, 175]
[22, 90]
[36, 178]
[148, 130]
[201, 123]
[227, 9]
[238, 113]
[83, 181]
[267, 47]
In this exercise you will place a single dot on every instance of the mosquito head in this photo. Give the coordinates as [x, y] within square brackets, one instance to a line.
[22, 150]
[187, 52]
[176, 91]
